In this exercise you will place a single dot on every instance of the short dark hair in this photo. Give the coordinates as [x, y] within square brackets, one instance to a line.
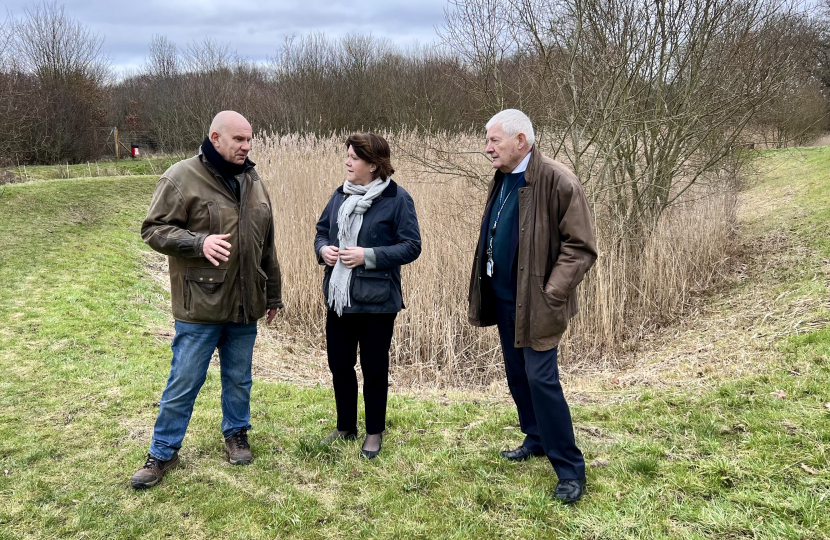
[373, 149]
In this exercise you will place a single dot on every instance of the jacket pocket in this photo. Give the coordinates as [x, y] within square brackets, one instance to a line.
[548, 315]
[204, 298]
[259, 301]
[371, 286]
[263, 275]
[213, 212]
[259, 217]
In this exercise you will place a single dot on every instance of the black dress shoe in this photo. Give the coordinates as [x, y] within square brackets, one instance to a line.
[337, 435]
[569, 491]
[371, 454]
[520, 454]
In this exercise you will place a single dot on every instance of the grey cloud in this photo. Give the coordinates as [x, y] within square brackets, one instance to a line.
[255, 31]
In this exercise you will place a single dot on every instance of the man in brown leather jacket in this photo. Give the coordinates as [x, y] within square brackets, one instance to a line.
[535, 246]
[211, 216]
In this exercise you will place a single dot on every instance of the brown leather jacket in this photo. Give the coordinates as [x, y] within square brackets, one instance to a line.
[556, 248]
[192, 201]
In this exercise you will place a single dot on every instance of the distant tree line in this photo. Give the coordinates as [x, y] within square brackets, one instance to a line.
[313, 85]
[631, 90]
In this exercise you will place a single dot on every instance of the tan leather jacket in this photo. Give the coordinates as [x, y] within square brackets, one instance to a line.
[192, 201]
[556, 248]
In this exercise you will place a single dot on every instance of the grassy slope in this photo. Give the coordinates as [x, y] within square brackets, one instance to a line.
[125, 167]
[81, 370]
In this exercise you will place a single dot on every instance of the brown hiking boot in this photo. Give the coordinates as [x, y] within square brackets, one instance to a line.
[153, 471]
[238, 449]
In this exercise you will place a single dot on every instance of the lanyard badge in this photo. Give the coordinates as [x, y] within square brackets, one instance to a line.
[491, 265]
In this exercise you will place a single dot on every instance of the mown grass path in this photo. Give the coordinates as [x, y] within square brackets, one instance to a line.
[80, 370]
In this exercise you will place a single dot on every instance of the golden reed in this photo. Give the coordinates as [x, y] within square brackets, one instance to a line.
[627, 291]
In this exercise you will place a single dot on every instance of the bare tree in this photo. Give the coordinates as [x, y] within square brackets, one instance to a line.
[480, 33]
[644, 99]
[15, 117]
[163, 61]
[359, 82]
[209, 56]
[5, 43]
[648, 101]
[53, 46]
[59, 66]
[180, 90]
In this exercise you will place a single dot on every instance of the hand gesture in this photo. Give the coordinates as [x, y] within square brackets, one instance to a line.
[215, 247]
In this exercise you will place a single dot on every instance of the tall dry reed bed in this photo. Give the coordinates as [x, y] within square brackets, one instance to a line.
[636, 283]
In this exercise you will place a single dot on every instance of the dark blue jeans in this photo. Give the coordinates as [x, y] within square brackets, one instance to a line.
[544, 416]
[193, 346]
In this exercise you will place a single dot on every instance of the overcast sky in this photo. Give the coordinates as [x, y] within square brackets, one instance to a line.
[253, 29]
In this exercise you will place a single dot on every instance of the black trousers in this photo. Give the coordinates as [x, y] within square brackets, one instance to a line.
[544, 416]
[373, 333]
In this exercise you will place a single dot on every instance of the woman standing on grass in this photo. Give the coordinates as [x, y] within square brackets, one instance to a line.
[366, 232]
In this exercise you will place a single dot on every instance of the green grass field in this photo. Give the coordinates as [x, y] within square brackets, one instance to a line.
[124, 167]
[81, 368]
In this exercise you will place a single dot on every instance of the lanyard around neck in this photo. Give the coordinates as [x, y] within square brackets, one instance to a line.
[502, 202]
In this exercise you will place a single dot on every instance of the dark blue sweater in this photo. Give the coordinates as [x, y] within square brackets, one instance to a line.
[503, 287]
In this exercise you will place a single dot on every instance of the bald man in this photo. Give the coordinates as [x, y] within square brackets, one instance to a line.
[211, 216]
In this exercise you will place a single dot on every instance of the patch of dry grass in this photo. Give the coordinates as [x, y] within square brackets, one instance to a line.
[774, 287]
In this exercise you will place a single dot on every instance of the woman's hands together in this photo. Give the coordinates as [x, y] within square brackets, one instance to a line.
[329, 255]
[349, 256]
[352, 256]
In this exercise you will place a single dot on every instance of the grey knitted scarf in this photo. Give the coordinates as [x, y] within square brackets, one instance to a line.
[349, 221]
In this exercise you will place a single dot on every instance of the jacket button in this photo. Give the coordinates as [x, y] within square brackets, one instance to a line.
[520, 305]
[211, 279]
[201, 279]
[523, 229]
[521, 268]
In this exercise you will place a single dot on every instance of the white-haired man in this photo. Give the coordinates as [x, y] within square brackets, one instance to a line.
[535, 246]
[211, 216]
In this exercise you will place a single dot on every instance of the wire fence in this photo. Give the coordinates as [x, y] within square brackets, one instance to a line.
[115, 143]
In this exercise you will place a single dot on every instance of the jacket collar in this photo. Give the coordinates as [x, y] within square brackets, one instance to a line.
[530, 171]
[533, 165]
[522, 166]
[248, 163]
[249, 169]
[390, 191]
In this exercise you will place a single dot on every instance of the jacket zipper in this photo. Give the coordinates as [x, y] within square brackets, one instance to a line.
[239, 218]
[242, 207]
[523, 237]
